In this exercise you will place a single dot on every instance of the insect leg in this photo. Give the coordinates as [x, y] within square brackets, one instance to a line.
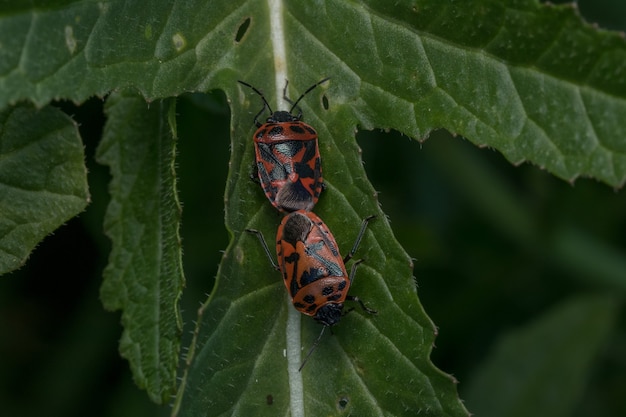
[358, 238]
[259, 235]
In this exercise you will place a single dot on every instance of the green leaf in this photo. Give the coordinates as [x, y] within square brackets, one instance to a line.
[144, 276]
[250, 340]
[541, 368]
[530, 80]
[233, 372]
[43, 180]
[86, 48]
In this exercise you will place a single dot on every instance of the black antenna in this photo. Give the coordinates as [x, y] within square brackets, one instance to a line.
[265, 103]
[317, 342]
[295, 104]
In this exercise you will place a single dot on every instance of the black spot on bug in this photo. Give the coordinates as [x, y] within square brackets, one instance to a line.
[334, 297]
[310, 150]
[327, 291]
[275, 131]
[243, 28]
[293, 258]
[342, 285]
[310, 299]
[296, 129]
[310, 276]
[304, 171]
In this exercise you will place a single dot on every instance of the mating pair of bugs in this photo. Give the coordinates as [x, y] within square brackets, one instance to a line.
[289, 170]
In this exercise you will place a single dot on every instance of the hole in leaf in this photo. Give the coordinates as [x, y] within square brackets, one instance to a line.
[243, 28]
[269, 399]
[342, 403]
[325, 102]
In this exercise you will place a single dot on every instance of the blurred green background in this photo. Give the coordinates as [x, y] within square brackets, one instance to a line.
[496, 247]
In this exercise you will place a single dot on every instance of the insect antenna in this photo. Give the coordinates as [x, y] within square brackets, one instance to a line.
[317, 342]
[265, 103]
[295, 104]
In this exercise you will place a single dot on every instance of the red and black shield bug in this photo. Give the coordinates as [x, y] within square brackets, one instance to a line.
[313, 271]
[287, 156]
